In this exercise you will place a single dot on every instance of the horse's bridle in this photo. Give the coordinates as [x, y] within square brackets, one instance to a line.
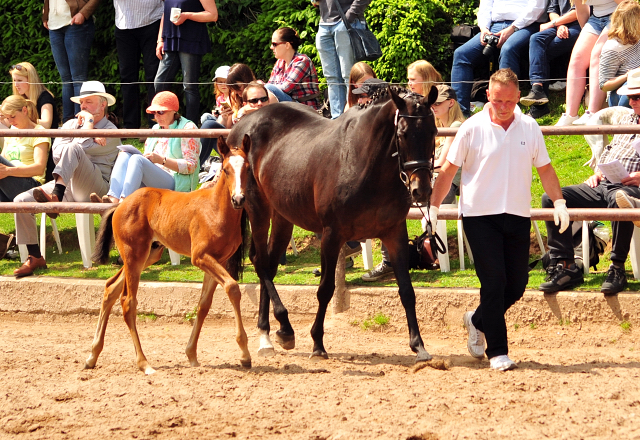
[413, 165]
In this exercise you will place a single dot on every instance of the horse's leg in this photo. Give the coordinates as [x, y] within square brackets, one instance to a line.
[112, 292]
[206, 297]
[281, 231]
[219, 274]
[266, 347]
[397, 244]
[330, 248]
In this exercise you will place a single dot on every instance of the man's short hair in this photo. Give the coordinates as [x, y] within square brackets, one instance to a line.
[504, 76]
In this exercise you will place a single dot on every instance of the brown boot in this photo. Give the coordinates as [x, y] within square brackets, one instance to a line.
[43, 197]
[29, 266]
[95, 198]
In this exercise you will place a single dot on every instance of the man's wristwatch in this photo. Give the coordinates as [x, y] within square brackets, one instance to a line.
[515, 28]
[553, 23]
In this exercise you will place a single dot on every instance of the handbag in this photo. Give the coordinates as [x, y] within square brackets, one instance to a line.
[365, 45]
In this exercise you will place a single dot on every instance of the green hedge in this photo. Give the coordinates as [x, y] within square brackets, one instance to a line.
[407, 29]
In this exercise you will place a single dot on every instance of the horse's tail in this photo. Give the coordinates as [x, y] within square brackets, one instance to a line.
[235, 264]
[104, 241]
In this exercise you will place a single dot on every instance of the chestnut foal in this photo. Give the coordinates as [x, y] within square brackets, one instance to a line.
[208, 224]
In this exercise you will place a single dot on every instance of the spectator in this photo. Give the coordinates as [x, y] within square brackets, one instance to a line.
[586, 55]
[169, 163]
[24, 159]
[496, 150]
[255, 96]
[136, 32]
[422, 76]
[27, 84]
[621, 52]
[209, 121]
[555, 39]
[71, 30]
[513, 22]
[294, 76]
[83, 166]
[182, 41]
[334, 47]
[599, 192]
[360, 72]
[239, 76]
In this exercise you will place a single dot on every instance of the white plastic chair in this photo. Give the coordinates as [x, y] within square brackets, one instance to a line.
[441, 229]
[43, 234]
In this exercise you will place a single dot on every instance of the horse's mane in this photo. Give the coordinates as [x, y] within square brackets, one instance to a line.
[382, 95]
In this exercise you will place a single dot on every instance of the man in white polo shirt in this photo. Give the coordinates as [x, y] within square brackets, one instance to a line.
[496, 149]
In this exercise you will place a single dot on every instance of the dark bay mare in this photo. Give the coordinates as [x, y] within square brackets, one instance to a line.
[351, 178]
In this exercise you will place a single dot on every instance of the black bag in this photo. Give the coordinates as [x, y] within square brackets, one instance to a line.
[365, 45]
[423, 250]
[462, 33]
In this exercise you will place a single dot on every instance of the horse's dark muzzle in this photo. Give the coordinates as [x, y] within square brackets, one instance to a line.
[420, 193]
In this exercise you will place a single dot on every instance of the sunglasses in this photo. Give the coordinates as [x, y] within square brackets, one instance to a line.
[274, 44]
[16, 67]
[634, 97]
[257, 100]
[160, 112]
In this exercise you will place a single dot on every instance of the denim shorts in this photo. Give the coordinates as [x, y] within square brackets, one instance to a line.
[595, 25]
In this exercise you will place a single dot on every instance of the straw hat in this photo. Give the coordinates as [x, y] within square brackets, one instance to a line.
[93, 88]
[632, 87]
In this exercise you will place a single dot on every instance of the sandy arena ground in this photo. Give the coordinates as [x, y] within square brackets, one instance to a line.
[573, 381]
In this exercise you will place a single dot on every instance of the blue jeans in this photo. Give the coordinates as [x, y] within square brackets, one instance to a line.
[595, 25]
[11, 186]
[282, 97]
[545, 46]
[71, 46]
[134, 171]
[169, 65]
[336, 56]
[209, 144]
[470, 54]
[614, 99]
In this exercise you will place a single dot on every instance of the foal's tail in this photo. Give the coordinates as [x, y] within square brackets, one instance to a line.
[104, 241]
[235, 264]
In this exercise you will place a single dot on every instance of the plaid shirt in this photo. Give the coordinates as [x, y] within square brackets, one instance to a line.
[620, 147]
[298, 80]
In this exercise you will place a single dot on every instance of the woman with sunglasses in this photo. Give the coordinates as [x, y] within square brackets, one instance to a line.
[169, 163]
[27, 84]
[294, 76]
[24, 159]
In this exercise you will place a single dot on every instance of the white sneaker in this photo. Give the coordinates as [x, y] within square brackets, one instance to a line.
[565, 119]
[558, 86]
[502, 363]
[475, 343]
[584, 119]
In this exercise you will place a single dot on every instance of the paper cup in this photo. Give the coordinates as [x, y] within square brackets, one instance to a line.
[175, 14]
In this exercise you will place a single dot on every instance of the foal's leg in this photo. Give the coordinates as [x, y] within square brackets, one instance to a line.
[112, 292]
[219, 274]
[330, 249]
[206, 297]
[397, 244]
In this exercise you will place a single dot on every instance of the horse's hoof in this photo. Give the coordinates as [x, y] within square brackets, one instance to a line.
[194, 362]
[288, 342]
[319, 356]
[423, 356]
[245, 364]
[149, 371]
[266, 352]
[88, 367]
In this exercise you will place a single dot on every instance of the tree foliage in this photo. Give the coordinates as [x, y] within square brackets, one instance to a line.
[408, 30]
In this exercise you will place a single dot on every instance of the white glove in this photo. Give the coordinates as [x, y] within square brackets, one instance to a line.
[561, 215]
[433, 216]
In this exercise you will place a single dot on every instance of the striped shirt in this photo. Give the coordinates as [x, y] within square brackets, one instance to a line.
[298, 80]
[617, 59]
[620, 147]
[134, 14]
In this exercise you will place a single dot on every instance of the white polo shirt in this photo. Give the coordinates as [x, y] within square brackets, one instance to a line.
[497, 164]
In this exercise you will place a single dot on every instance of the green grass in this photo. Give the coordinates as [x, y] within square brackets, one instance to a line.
[568, 154]
[376, 322]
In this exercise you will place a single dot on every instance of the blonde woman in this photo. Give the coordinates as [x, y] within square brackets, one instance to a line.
[422, 76]
[26, 83]
[621, 53]
[360, 72]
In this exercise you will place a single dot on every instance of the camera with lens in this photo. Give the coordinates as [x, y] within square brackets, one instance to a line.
[491, 48]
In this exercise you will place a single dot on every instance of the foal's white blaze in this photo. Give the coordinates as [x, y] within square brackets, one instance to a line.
[266, 347]
[237, 162]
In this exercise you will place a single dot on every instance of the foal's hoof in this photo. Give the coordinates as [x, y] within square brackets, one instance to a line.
[319, 355]
[423, 356]
[288, 342]
[88, 367]
[245, 364]
[266, 352]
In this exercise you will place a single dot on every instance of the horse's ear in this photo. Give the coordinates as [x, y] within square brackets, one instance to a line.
[433, 95]
[223, 148]
[246, 143]
[398, 101]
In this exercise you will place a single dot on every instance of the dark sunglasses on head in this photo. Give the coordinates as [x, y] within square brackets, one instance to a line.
[160, 112]
[256, 100]
[634, 97]
[16, 67]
